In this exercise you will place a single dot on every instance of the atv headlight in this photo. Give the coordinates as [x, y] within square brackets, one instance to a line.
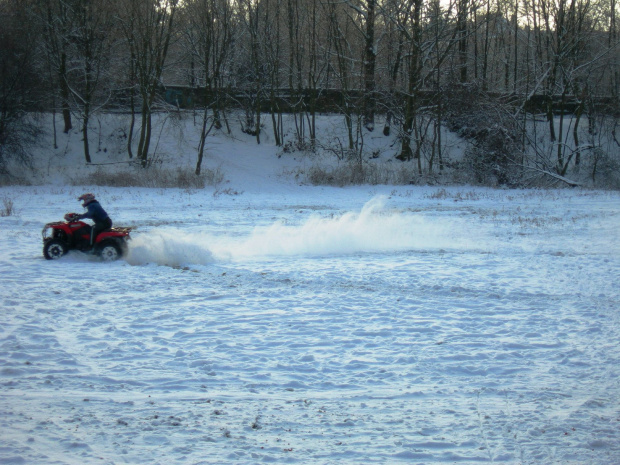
[47, 232]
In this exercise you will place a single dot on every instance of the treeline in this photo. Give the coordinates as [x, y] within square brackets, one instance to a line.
[490, 70]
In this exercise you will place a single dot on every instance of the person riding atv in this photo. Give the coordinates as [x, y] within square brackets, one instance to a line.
[101, 239]
[97, 214]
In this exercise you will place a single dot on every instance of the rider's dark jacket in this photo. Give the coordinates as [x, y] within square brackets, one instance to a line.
[95, 212]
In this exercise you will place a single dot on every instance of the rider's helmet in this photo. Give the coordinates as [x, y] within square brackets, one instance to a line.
[86, 199]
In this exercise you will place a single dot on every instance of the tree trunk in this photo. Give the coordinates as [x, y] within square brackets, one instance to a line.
[203, 139]
[64, 94]
[411, 100]
[369, 67]
[85, 122]
[462, 14]
[132, 123]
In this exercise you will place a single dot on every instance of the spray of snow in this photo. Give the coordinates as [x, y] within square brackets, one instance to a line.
[169, 247]
[375, 228]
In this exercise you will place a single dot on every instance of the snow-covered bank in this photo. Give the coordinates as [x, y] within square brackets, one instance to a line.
[315, 325]
[260, 320]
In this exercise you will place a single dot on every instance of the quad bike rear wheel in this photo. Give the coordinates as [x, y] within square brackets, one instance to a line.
[54, 249]
[110, 251]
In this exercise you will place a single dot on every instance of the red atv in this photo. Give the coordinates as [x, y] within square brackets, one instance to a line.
[73, 234]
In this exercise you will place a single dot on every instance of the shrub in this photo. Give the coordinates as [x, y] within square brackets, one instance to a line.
[8, 208]
[493, 157]
[153, 177]
[355, 173]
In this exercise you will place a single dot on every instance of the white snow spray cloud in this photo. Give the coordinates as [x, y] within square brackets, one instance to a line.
[374, 228]
[171, 247]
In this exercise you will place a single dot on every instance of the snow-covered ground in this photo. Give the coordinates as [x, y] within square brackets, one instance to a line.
[264, 321]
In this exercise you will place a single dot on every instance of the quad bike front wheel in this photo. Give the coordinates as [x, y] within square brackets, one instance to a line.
[110, 251]
[54, 249]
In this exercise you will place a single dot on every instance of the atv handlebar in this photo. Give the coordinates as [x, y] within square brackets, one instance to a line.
[70, 217]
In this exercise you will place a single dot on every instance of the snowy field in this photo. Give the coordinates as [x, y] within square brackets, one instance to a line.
[279, 323]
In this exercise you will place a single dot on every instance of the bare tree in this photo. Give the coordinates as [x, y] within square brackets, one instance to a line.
[367, 11]
[18, 86]
[271, 46]
[90, 42]
[209, 36]
[296, 27]
[56, 18]
[462, 36]
[340, 24]
[395, 19]
[148, 26]
[612, 43]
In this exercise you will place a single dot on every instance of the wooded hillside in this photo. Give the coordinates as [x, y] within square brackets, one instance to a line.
[489, 70]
